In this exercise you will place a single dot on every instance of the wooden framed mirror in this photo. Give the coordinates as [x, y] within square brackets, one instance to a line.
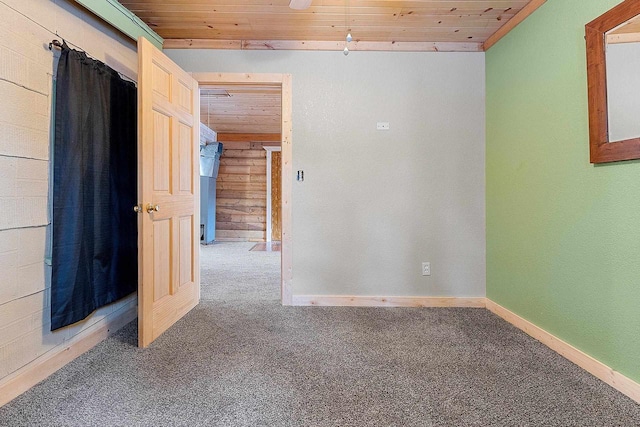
[614, 105]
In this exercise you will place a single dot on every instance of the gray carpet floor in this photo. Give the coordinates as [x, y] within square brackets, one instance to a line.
[241, 359]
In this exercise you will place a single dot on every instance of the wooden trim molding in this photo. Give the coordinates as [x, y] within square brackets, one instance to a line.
[216, 79]
[122, 19]
[322, 45]
[524, 13]
[623, 38]
[249, 137]
[601, 149]
[36, 371]
[381, 301]
[269, 150]
[596, 368]
[30, 375]
[287, 190]
[284, 81]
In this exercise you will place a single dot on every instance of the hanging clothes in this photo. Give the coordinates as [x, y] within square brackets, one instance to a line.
[94, 250]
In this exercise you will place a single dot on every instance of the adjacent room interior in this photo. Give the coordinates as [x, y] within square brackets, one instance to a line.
[344, 212]
[240, 179]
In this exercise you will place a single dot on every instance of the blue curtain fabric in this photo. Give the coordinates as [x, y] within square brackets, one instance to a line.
[94, 252]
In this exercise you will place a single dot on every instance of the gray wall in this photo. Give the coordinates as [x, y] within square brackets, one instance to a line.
[375, 204]
[623, 90]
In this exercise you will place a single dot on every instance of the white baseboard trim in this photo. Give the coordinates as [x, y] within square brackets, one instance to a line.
[596, 368]
[36, 371]
[377, 301]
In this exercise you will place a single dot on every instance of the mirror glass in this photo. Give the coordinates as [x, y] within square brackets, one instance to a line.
[623, 80]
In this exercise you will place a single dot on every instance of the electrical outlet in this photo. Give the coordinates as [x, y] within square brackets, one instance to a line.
[426, 269]
[382, 126]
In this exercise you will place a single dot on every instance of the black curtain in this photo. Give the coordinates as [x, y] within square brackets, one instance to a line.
[94, 254]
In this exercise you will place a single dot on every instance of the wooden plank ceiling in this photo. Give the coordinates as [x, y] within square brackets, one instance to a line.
[454, 25]
[241, 109]
[376, 25]
[629, 32]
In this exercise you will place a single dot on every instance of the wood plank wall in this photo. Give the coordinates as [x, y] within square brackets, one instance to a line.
[241, 201]
[25, 87]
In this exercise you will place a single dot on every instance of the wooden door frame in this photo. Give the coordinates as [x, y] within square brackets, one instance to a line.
[269, 150]
[284, 82]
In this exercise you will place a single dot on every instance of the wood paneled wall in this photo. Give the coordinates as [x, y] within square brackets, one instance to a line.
[241, 201]
[26, 340]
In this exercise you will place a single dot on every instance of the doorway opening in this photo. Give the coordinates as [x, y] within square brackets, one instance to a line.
[249, 116]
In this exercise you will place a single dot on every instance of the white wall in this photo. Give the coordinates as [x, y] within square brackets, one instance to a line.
[375, 204]
[623, 90]
[26, 69]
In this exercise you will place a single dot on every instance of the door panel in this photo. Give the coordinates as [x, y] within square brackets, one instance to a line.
[168, 244]
[185, 157]
[161, 258]
[161, 152]
[186, 250]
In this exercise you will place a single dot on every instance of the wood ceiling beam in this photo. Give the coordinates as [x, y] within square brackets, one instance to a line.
[322, 45]
[524, 13]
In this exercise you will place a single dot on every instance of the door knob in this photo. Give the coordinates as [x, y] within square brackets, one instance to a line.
[152, 208]
[137, 208]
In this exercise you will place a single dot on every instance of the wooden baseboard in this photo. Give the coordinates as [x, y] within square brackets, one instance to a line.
[41, 368]
[596, 368]
[376, 301]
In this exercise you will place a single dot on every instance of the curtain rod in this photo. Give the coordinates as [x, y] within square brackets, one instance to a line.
[57, 44]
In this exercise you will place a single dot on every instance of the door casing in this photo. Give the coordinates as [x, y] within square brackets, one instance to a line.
[284, 82]
[270, 208]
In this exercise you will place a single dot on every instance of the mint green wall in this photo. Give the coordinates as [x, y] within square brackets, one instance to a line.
[563, 236]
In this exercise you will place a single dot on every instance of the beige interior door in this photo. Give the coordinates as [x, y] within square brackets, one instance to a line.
[168, 190]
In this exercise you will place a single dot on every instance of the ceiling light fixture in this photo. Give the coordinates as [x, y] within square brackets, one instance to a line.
[346, 28]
